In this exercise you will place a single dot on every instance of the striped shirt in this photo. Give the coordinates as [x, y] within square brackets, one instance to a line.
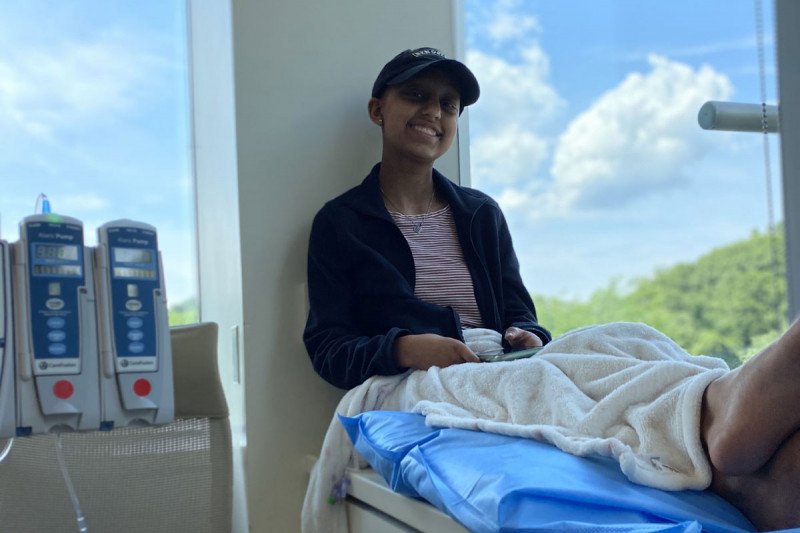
[442, 274]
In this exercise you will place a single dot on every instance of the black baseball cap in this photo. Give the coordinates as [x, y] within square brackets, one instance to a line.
[410, 63]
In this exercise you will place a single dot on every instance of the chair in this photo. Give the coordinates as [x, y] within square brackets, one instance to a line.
[171, 478]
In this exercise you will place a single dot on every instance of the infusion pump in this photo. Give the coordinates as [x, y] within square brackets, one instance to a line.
[54, 327]
[135, 351]
[84, 336]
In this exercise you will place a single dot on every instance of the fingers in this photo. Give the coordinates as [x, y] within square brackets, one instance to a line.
[426, 350]
[520, 338]
[455, 352]
[467, 355]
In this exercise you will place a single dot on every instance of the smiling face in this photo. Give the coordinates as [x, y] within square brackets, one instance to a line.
[419, 117]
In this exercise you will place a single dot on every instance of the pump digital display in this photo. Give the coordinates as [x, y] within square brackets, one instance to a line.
[56, 260]
[133, 255]
[57, 270]
[138, 273]
[135, 263]
[57, 252]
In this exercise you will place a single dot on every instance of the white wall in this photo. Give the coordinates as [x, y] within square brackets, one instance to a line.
[280, 127]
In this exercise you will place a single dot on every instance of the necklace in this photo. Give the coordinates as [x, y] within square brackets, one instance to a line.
[417, 225]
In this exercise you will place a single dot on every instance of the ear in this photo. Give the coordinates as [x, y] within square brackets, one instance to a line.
[375, 111]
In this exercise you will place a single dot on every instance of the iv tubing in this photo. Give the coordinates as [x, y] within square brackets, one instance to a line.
[45, 203]
[6, 450]
[82, 528]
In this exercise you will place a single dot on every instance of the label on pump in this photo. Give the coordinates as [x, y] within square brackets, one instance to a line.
[57, 379]
[134, 329]
[7, 409]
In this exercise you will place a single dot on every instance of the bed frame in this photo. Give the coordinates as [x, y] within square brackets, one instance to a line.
[372, 507]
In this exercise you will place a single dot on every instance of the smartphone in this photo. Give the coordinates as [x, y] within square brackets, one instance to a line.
[511, 356]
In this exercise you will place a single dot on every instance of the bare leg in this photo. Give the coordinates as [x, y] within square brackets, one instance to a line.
[751, 411]
[770, 497]
[750, 426]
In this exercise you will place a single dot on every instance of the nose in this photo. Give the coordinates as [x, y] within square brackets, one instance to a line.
[432, 108]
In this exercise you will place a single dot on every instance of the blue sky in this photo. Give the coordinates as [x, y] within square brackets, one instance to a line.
[585, 132]
[94, 114]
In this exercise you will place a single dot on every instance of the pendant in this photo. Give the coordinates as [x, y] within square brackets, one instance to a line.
[417, 227]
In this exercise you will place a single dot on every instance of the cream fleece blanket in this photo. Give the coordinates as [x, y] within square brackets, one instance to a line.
[621, 390]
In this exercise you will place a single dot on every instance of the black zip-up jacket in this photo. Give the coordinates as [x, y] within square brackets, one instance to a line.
[361, 281]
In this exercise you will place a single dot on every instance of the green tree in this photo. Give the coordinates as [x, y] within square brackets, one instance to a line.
[186, 312]
[730, 303]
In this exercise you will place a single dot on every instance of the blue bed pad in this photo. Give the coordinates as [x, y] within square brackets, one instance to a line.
[490, 482]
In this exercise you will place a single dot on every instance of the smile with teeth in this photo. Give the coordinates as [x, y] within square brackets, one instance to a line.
[425, 130]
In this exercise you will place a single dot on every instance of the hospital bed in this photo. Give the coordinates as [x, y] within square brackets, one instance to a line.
[509, 477]
[452, 480]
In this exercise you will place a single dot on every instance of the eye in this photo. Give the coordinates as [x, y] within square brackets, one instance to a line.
[416, 94]
[450, 106]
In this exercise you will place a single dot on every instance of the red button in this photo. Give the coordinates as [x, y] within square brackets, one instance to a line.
[142, 387]
[63, 389]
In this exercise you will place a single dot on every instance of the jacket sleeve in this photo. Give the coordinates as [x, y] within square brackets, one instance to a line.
[339, 352]
[518, 307]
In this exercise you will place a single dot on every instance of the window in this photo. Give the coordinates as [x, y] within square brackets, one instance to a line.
[94, 114]
[621, 207]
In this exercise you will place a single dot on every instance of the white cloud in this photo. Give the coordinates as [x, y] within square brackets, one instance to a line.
[637, 138]
[508, 26]
[513, 92]
[42, 89]
[511, 199]
[508, 148]
[517, 100]
[512, 68]
[504, 22]
[508, 156]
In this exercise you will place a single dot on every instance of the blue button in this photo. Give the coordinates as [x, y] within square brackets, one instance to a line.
[136, 347]
[135, 335]
[55, 322]
[135, 322]
[57, 348]
[56, 335]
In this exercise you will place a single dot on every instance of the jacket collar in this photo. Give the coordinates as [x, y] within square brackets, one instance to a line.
[367, 199]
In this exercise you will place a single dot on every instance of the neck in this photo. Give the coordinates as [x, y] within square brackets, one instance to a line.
[407, 187]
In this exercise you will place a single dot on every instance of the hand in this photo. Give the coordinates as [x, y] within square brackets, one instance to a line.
[520, 338]
[426, 350]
